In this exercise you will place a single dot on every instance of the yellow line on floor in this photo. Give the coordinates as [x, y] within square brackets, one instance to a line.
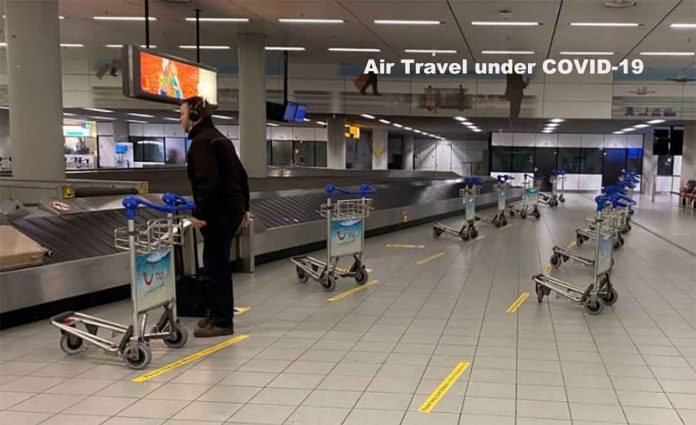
[478, 239]
[431, 258]
[435, 397]
[572, 245]
[350, 292]
[518, 302]
[507, 226]
[548, 269]
[189, 359]
[239, 311]
[399, 245]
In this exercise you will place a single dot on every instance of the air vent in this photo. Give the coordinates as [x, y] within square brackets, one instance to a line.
[620, 3]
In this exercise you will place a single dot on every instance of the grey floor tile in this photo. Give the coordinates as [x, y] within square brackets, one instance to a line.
[134, 421]
[308, 415]
[651, 415]
[417, 418]
[543, 409]
[592, 396]
[541, 392]
[393, 385]
[330, 398]
[474, 419]
[171, 391]
[373, 417]
[384, 401]
[539, 421]
[310, 368]
[249, 379]
[683, 401]
[345, 383]
[262, 414]
[100, 405]
[230, 394]
[207, 410]
[31, 384]
[491, 390]
[597, 413]
[129, 389]
[65, 419]
[290, 380]
[9, 399]
[489, 406]
[281, 396]
[643, 399]
[23, 418]
[145, 408]
[47, 403]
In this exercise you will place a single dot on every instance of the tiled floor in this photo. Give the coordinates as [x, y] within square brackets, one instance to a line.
[374, 357]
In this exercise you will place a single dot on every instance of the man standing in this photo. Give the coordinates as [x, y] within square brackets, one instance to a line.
[221, 193]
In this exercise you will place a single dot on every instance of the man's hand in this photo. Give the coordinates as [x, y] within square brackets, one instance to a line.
[245, 219]
[196, 223]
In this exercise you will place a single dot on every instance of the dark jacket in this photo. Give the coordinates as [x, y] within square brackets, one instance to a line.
[218, 179]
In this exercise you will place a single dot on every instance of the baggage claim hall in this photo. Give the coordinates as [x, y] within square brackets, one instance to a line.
[348, 212]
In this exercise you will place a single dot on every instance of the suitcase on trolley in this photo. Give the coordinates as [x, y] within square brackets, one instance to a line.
[190, 287]
[17, 250]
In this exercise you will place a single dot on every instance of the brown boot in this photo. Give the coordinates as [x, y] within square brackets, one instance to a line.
[213, 331]
[204, 322]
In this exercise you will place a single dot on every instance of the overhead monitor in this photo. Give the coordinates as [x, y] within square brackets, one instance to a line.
[301, 113]
[166, 78]
[290, 111]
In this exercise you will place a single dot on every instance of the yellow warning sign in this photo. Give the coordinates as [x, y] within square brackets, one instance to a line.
[68, 192]
[143, 188]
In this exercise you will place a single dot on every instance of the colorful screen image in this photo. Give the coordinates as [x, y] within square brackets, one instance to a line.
[172, 79]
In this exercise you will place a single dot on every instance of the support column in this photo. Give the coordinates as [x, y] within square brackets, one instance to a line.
[252, 104]
[35, 89]
[4, 133]
[336, 144]
[380, 147]
[688, 171]
[407, 161]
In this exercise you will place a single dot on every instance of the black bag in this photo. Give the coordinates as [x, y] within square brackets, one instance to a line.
[190, 290]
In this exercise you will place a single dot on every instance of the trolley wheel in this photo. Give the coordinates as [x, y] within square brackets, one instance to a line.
[579, 240]
[465, 235]
[436, 232]
[617, 243]
[594, 306]
[179, 339]
[473, 233]
[523, 215]
[624, 229]
[71, 344]
[301, 274]
[539, 293]
[631, 212]
[537, 214]
[496, 222]
[504, 221]
[328, 281]
[361, 276]
[628, 226]
[610, 297]
[143, 358]
[555, 260]
[561, 198]
[512, 213]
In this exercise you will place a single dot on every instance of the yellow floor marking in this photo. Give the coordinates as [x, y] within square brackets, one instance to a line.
[518, 302]
[478, 239]
[346, 269]
[189, 359]
[572, 245]
[507, 226]
[399, 245]
[238, 311]
[435, 397]
[432, 257]
[548, 269]
[350, 292]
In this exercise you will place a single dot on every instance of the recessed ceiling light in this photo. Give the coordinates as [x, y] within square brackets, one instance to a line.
[137, 121]
[3, 44]
[557, 120]
[118, 46]
[133, 114]
[66, 114]
[604, 24]
[506, 23]
[321, 123]
[223, 117]
[368, 116]
[406, 22]
[618, 132]
[384, 121]
[552, 125]
[547, 131]
[210, 47]
[656, 121]
[59, 17]
[683, 26]
[667, 53]
[103, 118]
[586, 53]
[123, 18]
[310, 21]
[189, 19]
[431, 51]
[627, 129]
[285, 48]
[354, 49]
[408, 128]
[397, 125]
[272, 124]
[71, 45]
[507, 52]
[98, 110]
[171, 119]
[460, 118]
[306, 120]
[477, 130]
[641, 125]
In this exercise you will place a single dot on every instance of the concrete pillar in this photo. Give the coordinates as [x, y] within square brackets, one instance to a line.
[336, 145]
[4, 133]
[35, 89]
[380, 148]
[649, 164]
[407, 152]
[689, 153]
[252, 103]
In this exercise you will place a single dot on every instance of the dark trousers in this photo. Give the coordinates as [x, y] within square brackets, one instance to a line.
[217, 240]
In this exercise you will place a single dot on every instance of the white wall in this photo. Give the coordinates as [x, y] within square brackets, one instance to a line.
[449, 155]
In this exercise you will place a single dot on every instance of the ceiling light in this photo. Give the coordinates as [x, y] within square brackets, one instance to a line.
[118, 46]
[3, 44]
[285, 49]
[306, 120]
[172, 119]
[408, 128]
[384, 121]
[137, 121]
[133, 114]
[211, 47]
[66, 114]
[321, 123]
[98, 110]
[59, 17]
[310, 21]
[604, 24]
[641, 125]
[667, 53]
[507, 52]
[406, 22]
[627, 129]
[656, 121]
[588, 53]
[103, 118]
[397, 125]
[123, 18]
[618, 132]
[460, 118]
[552, 124]
[189, 19]
[506, 23]
[557, 120]
[223, 117]
[353, 49]
[477, 130]
[683, 26]
[272, 124]
[71, 45]
[368, 116]
[470, 125]
[430, 51]
[547, 131]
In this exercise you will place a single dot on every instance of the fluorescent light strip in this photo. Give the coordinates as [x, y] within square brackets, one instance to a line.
[557, 120]
[118, 46]
[408, 128]
[223, 117]
[354, 49]
[477, 130]
[192, 47]
[98, 110]
[547, 131]
[306, 120]
[506, 23]
[385, 121]
[552, 124]
[641, 125]
[398, 125]
[431, 51]
[321, 123]
[587, 53]
[123, 18]
[310, 21]
[104, 118]
[133, 114]
[667, 53]
[368, 116]
[605, 24]
[137, 121]
[65, 114]
[656, 121]
[71, 45]
[286, 49]
[406, 22]
[172, 119]
[272, 124]
[59, 17]
[507, 52]
[618, 132]
[189, 19]
[460, 118]
[627, 129]
[683, 26]
[3, 44]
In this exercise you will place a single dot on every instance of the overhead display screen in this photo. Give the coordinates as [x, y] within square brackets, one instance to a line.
[165, 78]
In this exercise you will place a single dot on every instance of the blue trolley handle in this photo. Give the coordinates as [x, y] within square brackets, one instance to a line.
[503, 178]
[363, 189]
[473, 181]
[131, 203]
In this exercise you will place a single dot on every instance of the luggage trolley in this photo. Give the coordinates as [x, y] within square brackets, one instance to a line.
[499, 220]
[558, 182]
[530, 199]
[152, 286]
[345, 225]
[472, 185]
[601, 291]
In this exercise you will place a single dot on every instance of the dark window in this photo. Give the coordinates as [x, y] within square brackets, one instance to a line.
[148, 149]
[634, 160]
[320, 154]
[592, 159]
[501, 159]
[665, 165]
[522, 160]
[570, 160]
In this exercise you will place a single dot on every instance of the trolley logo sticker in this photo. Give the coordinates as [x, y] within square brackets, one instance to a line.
[151, 274]
[346, 237]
